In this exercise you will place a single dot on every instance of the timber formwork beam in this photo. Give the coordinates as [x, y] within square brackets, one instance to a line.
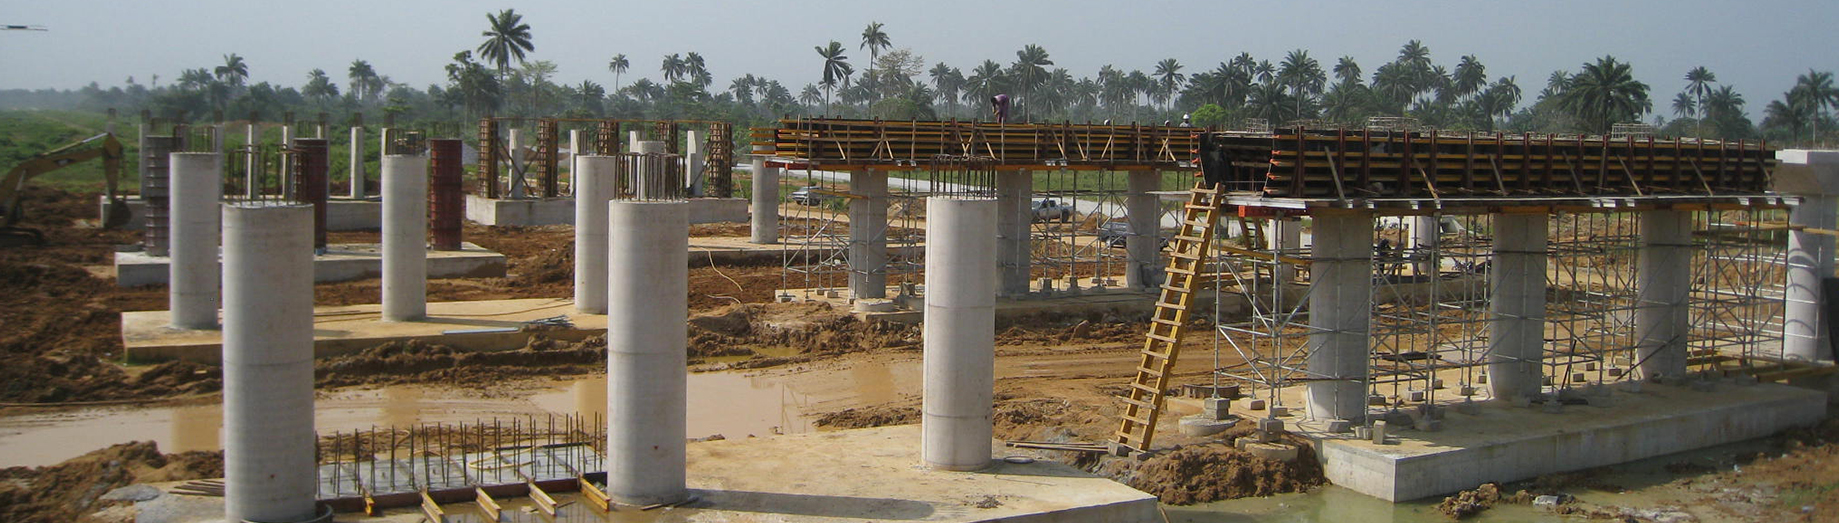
[842, 143]
[1351, 165]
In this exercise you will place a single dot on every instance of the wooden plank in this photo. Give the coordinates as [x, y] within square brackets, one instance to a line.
[487, 504]
[594, 495]
[432, 510]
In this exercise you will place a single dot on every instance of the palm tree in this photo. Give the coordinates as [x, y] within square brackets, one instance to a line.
[591, 94]
[810, 95]
[1684, 106]
[673, 67]
[1031, 69]
[1303, 75]
[362, 78]
[507, 39]
[233, 71]
[1787, 115]
[618, 66]
[836, 69]
[947, 81]
[319, 87]
[1723, 107]
[1603, 93]
[1499, 100]
[742, 87]
[1470, 77]
[985, 81]
[1698, 82]
[697, 70]
[1817, 93]
[1169, 78]
[1347, 71]
[874, 40]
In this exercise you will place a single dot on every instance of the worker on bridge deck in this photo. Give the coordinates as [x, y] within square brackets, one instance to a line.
[999, 106]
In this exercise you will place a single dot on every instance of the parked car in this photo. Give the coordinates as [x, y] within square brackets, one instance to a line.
[810, 195]
[1114, 234]
[1049, 209]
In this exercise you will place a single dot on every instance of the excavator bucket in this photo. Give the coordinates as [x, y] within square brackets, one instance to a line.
[116, 214]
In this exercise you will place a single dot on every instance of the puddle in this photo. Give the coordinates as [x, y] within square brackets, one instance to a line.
[733, 404]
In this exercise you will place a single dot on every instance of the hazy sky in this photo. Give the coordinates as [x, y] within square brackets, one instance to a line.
[1757, 46]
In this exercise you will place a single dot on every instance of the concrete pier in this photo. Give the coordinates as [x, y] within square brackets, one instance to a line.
[1014, 221]
[1663, 284]
[1286, 237]
[1814, 177]
[1339, 315]
[960, 333]
[357, 162]
[647, 303]
[1143, 247]
[516, 180]
[252, 186]
[693, 161]
[1424, 235]
[765, 210]
[1516, 348]
[405, 237]
[868, 234]
[595, 185]
[268, 362]
[197, 186]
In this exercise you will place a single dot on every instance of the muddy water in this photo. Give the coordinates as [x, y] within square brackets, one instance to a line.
[732, 404]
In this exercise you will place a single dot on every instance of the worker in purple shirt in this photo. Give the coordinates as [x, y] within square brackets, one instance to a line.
[999, 104]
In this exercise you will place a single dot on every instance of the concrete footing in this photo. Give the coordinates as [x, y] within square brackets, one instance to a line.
[341, 214]
[1496, 441]
[341, 262]
[561, 211]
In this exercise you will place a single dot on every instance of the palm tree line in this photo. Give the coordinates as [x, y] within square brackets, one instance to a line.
[499, 77]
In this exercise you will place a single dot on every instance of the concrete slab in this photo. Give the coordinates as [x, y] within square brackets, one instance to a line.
[1495, 441]
[561, 211]
[341, 262]
[466, 325]
[342, 214]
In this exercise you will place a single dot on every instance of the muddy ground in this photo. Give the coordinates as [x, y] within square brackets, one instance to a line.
[1058, 374]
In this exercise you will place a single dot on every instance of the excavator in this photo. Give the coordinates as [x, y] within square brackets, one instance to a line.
[103, 146]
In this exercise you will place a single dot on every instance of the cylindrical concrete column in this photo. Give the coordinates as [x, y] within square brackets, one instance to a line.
[1142, 248]
[1340, 308]
[516, 179]
[1285, 237]
[357, 162]
[765, 201]
[594, 187]
[1663, 283]
[287, 168]
[269, 471]
[1424, 233]
[868, 234]
[197, 185]
[252, 184]
[405, 237]
[1810, 261]
[647, 304]
[692, 161]
[960, 333]
[575, 150]
[643, 177]
[1516, 343]
[1014, 221]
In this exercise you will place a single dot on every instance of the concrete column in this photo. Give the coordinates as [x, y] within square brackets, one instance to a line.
[1143, 266]
[1340, 307]
[1663, 284]
[516, 179]
[765, 201]
[642, 178]
[269, 471]
[1286, 237]
[1516, 343]
[357, 162]
[197, 185]
[252, 186]
[287, 167]
[960, 333]
[1424, 233]
[1014, 220]
[575, 150]
[405, 237]
[647, 304]
[868, 234]
[1814, 177]
[632, 141]
[692, 162]
[594, 187]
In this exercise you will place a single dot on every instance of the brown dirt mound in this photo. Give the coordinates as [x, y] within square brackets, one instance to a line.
[1203, 473]
[865, 417]
[69, 490]
[1471, 502]
[420, 362]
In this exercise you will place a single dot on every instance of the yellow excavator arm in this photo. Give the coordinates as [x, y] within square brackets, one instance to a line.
[103, 146]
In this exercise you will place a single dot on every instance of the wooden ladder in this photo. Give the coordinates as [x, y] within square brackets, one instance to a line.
[1190, 251]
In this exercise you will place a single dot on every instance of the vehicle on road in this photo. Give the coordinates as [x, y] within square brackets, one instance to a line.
[810, 195]
[1049, 209]
[1115, 234]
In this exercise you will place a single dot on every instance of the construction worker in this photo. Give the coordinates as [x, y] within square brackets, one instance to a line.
[999, 105]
